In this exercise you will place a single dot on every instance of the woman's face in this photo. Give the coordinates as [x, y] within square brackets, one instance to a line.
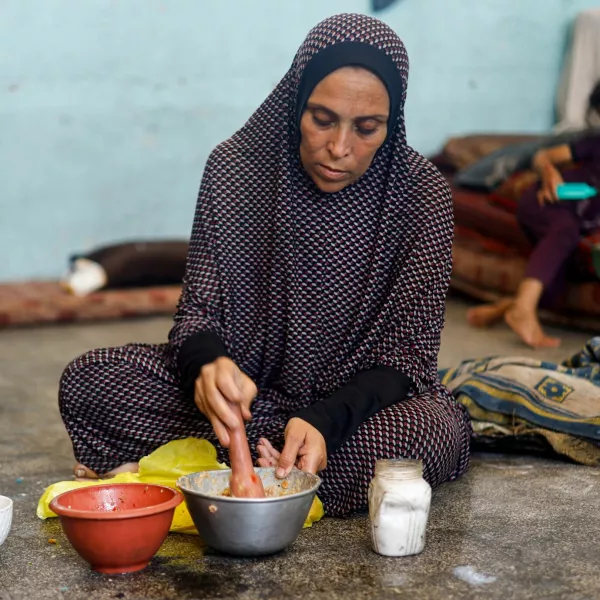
[343, 126]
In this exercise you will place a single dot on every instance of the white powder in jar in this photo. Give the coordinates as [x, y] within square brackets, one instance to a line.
[399, 501]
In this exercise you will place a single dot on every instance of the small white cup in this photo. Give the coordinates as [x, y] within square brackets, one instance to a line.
[6, 511]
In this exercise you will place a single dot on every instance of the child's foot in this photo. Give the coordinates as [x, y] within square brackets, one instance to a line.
[527, 326]
[488, 314]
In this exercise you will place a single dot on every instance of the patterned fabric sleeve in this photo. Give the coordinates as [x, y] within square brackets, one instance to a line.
[411, 345]
[200, 306]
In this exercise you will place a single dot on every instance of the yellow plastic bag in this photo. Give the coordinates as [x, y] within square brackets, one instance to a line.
[164, 466]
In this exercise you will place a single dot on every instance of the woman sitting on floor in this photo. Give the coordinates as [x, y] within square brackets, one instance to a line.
[314, 292]
[555, 228]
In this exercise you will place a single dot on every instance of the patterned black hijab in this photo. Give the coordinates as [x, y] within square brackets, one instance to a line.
[357, 54]
[307, 288]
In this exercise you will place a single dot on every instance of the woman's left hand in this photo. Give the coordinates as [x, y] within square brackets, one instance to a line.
[304, 447]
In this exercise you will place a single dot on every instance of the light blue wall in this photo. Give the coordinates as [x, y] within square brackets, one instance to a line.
[109, 108]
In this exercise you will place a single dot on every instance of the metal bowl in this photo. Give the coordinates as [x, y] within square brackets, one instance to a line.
[249, 526]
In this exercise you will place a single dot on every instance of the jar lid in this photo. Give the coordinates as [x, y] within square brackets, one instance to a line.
[399, 468]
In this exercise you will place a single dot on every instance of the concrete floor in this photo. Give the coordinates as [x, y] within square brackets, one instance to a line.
[512, 528]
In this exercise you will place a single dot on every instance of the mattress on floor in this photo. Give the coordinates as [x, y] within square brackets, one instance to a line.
[492, 215]
[475, 211]
[37, 302]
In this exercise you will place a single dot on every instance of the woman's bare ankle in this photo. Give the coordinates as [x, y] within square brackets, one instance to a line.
[84, 473]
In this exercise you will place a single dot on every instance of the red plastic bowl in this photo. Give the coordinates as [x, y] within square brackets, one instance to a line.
[117, 528]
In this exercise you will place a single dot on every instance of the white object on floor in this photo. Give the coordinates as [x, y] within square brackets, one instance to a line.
[472, 577]
[6, 511]
[399, 501]
[580, 74]
[84, 277]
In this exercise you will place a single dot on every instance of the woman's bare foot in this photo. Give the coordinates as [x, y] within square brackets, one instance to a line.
[527, 326]
[268, 456]
[488, 314]
[82, 473]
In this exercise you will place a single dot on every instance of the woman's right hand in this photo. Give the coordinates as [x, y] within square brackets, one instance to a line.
[551, 179]
[219, 383]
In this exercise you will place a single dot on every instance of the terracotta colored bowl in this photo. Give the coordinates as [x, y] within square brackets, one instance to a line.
[117, 528]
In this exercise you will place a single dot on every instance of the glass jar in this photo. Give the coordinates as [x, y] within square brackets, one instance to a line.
[399, 501]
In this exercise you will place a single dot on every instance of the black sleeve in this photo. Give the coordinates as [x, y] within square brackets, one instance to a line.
[196, 351]
[340, 415]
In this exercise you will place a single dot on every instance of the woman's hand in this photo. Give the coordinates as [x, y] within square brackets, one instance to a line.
[220, 382]
[304, 447]
[551, 179]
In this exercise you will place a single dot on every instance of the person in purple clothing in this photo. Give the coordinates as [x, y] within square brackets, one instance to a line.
[555, 228]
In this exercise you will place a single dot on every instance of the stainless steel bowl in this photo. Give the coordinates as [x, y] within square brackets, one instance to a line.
[249, 526]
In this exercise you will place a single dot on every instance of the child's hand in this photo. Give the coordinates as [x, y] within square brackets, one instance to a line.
[550, 182]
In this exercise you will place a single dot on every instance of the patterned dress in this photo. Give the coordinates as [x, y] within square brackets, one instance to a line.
[305, 289]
